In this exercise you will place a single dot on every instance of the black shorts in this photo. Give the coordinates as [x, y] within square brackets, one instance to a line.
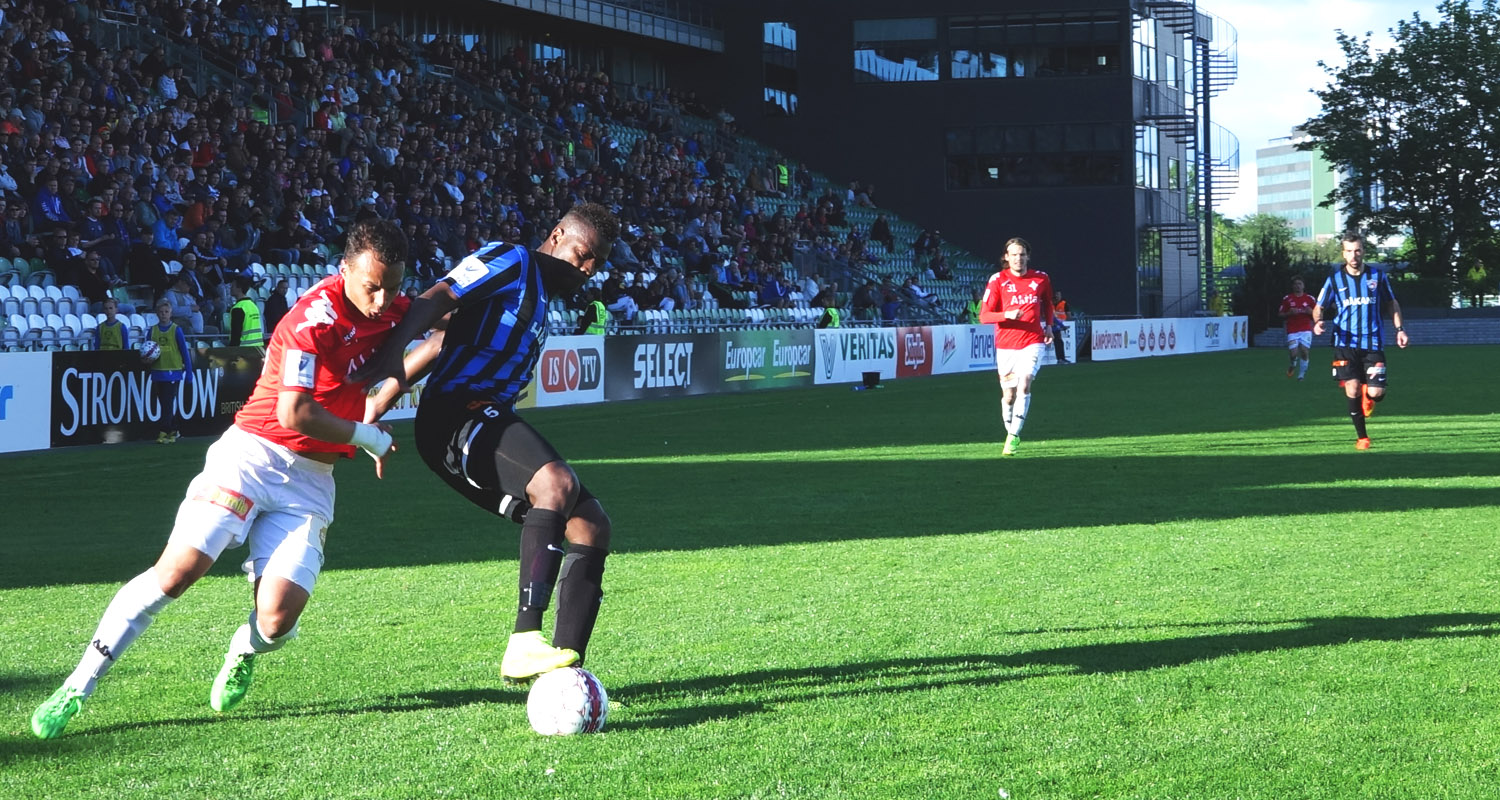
[484, 451]
[1360, 366]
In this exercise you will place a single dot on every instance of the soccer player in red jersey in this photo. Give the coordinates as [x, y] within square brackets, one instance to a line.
[1297, 310]
[268, 480]
[1018, 301]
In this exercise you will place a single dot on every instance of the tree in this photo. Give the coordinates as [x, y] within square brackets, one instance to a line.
[1418, 128]
[1271, 259]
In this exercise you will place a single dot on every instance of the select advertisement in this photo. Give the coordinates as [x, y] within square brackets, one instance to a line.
[660, 365]
[765, 359]
[845, 354]
[25, 401]
[105, 396]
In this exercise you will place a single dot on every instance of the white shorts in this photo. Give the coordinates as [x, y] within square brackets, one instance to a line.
[1012, 364]
[254, 489]
[1296, 340]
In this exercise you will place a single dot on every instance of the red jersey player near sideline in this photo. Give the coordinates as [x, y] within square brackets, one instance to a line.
[1297, 309]
[1018, 301]
[269, 479]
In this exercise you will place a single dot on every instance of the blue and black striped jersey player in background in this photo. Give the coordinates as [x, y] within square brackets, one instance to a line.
[468, 432]
[1358, 294]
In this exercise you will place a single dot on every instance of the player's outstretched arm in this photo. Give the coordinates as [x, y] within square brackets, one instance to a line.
[417, 363]
[300, 413]
[424, 313]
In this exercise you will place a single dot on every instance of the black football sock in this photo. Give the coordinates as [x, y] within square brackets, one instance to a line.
[579, 591]
[1357, 415]
[541, 555]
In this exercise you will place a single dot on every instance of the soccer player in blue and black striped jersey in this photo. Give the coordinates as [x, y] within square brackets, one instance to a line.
[1358, 295]
[470, 436]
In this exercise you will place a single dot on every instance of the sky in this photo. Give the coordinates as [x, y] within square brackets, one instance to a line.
[1280, 44]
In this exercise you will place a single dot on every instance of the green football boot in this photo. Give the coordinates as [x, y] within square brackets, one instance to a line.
[233, 682]
[1012, 443]
[49, 719]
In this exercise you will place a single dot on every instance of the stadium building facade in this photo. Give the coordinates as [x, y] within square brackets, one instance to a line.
[1084, 126]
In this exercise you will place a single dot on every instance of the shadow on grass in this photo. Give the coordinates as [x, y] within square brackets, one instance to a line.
[679, 703]
[81, 737]
[667, 507]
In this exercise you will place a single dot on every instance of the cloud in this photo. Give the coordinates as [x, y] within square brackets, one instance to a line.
[1280, 44]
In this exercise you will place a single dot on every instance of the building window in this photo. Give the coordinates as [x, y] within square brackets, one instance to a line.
[1019, 156]
[1173, 72]
[1148, 273]
[1144, 50]
[1174, 173]
[779, 56]
[1147, 157]
[546, 52]
[1034, 45]
[895, 50]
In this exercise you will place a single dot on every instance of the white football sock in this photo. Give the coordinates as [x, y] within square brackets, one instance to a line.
[1007, 413]
[248, 639]
[1301, 367]
[1023, 404]
[128, 615]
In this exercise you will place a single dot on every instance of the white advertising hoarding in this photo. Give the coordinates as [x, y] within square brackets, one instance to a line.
[845, 354]
[25, 401]
[1113, 339]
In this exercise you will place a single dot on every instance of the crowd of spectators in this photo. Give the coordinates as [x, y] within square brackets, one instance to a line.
[115, 167]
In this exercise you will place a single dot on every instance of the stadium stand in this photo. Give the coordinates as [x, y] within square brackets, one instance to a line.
[244, 141]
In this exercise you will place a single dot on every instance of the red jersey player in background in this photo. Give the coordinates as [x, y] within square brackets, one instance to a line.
[1297, 310]
[269, 479]
[1018, 300]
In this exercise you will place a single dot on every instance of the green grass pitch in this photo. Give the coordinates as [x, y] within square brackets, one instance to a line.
[1188, 585]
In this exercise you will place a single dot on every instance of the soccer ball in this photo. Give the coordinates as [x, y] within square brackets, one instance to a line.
[567, 701]
[150, 350]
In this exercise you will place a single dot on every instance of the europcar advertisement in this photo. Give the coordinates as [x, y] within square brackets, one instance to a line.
[765, 359]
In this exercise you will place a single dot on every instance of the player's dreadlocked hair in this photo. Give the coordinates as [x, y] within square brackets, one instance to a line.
[598, 218]
[379, 236]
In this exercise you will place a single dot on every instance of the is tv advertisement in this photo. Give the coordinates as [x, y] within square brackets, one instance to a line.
[845, 354]
[765, 359]
[660, 365]
[105, 396]
[25, 401]
[569, 370]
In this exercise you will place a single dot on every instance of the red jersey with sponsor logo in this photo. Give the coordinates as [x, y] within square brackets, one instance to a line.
[1031, 296]
[319, 341]
[1302, 306]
